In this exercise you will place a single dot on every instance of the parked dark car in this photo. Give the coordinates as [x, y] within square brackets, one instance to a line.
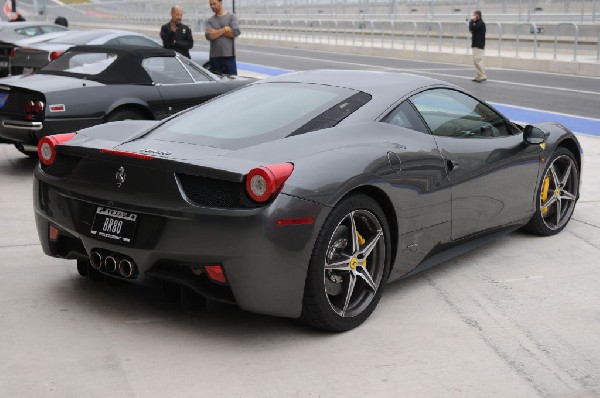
[89, 85]
[36, 56]
[303, 194]
[11, 33]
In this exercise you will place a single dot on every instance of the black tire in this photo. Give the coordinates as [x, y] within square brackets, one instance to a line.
[341, 299]
[561, 181]
[125, 114]
[31, 154]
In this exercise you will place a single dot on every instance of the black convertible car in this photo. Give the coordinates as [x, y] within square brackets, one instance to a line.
[318, 189]
[89, 85]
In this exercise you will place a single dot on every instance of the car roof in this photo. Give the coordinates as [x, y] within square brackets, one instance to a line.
[93, 34]
[25, 24]
[385, 88]
[371, 82]
[126, 69]
[136, 51]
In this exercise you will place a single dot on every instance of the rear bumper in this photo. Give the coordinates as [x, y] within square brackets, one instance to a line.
[265, 264]
[30, 132]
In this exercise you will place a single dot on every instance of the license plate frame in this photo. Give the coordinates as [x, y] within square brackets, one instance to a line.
[114, 225]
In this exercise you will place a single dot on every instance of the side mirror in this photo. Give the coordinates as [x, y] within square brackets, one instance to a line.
[533, 135]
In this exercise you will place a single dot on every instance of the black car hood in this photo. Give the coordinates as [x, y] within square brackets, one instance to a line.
[47, 83]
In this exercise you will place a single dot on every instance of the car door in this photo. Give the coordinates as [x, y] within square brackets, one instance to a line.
[492, 171]
[179, 88]
[421, 193]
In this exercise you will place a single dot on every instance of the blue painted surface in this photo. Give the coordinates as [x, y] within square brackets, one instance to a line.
[265, 70]
[575, 123]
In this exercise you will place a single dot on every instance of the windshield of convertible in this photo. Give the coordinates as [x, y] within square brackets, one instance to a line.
[82, 63]
[260, 113]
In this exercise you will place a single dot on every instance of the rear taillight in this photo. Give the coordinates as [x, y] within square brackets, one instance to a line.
[216, 273]
[52, 233]
[47, 146]
[34, 107]
[54, 54]
[13, 52]
[262, 183]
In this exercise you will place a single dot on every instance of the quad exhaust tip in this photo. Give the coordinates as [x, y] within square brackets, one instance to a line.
[96, 260]
[127, 269]
[110, 264]
[113, 264]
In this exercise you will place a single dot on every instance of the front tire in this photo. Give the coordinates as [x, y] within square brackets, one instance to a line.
[557, 195]
[349, 266]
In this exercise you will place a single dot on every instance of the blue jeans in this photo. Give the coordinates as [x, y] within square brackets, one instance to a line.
[225, 65]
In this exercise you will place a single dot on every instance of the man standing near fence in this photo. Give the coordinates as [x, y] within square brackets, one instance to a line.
[221, 30]
[175, 35]
[477, 29]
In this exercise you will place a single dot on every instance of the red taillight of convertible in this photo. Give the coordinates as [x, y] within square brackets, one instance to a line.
[54, 54]
[34, 107]
[47, 146]
[13, 52]
[262, 183]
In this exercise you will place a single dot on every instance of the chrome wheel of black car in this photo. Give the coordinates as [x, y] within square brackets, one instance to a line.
[557, 194]
[349, 266]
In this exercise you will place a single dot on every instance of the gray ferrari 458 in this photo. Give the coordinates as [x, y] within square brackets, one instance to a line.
[302, 195]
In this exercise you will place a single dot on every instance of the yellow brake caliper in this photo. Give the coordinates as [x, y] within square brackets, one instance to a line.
[361, 241]
[544, 194]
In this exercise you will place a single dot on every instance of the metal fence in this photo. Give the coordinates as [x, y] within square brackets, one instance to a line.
[438, 10]
[568, 41]
[528, 29]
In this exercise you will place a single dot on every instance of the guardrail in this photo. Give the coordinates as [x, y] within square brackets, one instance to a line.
[521, 40]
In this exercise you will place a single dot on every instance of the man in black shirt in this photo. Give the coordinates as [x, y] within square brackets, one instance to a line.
[175, 35]
[477, 29]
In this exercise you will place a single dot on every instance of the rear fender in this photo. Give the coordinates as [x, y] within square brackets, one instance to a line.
[131, 103]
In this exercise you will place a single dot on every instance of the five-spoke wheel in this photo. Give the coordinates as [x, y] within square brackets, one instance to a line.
[349, 266]
[557, 194]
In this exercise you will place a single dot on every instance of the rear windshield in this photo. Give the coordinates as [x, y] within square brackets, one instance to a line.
[255, 114]
[82, 63]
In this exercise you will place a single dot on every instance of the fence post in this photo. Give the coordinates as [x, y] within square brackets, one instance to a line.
[415, 36]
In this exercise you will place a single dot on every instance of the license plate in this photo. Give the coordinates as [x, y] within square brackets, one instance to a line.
[27, 70]
[3, 64]
[114, 225]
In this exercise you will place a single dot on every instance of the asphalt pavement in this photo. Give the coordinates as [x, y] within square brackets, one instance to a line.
[518, 317]
[576, 95]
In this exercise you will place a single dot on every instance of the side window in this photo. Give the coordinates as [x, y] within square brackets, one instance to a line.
[50, 29]
[166, 70]
[405, 116]
[454, 114]
[29, 31]
[196, 74]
